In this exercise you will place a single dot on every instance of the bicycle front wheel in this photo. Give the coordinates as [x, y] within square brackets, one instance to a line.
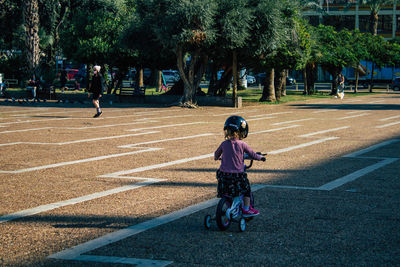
[223, 221]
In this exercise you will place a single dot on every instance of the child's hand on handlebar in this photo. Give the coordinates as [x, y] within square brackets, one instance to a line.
[262, 154]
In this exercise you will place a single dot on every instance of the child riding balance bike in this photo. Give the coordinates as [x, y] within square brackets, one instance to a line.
[236, 203]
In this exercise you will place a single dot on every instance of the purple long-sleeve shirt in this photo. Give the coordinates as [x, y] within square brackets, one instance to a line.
[232, 155]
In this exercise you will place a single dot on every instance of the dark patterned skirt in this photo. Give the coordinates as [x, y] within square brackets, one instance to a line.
[233, 184]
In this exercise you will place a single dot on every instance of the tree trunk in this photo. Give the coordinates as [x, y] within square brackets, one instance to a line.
[371, 81]
[159, 81]
[235, 78]
[283, 91]
[31, 24]
[192, 77]
[374, 23]
[269, 90]
[305, 92]
[311, 71]
[280, 77]
[140, 81]
[334, 74]
[357, 78]
[213, 81]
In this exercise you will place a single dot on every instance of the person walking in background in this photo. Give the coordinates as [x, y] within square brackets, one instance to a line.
[32, 85]
[340, 90]
[63, 79]
[96, 88]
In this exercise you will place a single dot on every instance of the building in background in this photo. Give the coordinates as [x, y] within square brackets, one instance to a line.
[351, 15]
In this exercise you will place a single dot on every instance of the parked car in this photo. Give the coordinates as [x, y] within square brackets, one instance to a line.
[71, 73]
[171, 76]
[396, 84]
[251, 79]
[260, 77]
[290, 81]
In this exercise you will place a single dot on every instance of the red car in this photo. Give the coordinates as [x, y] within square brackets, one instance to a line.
[71, 73]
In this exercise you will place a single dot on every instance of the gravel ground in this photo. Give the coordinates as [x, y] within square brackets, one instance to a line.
[60, 159]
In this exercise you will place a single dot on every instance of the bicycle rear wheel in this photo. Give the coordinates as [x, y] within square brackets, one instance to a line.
[223, 221]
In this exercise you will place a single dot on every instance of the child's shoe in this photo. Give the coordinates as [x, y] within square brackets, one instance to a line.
[250, 212]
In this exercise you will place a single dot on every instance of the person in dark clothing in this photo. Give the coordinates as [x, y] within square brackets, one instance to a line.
[63, 80]
[96, 89]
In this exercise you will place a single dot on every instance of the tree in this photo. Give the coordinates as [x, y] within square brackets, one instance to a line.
[31, 24]
[143, 36]
[375, 6]
[234, 24]
[294, 52]
[188, 30]
[11, 25]
[12, 39]
[336, 51]
[94, 32]
[358, 44]
[267, 35]
[376, 53]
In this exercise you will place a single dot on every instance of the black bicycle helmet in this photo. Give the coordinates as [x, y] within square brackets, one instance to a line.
[237, 124]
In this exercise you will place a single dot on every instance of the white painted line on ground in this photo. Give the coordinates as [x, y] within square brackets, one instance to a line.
[73, 201]
[80, 111]
[120, 260]
[170, 117]
[274, 130]
[269, 114]
[61, 164]
[33, 121]
[79, 141]
[291, 187]
[25, 130]
[353, 100]
[165, 126]
[371, 148]
[390, 118]
[11, 144]
[75, 252]
[302, 145]
[355, 112]
[324, 110]
[263, 118]
[324, 131]
[107, 125]
[357, 174]
[25, 110]
[105, 138]
[165, 140]
[74, 118]
[46, 113]
[388, 125]
[226, 114]
[287, 122]
[156, 166]
[79, 128]
[354, 116]
[377, 101]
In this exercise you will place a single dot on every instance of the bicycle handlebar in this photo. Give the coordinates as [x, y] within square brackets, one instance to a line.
[246, 157]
